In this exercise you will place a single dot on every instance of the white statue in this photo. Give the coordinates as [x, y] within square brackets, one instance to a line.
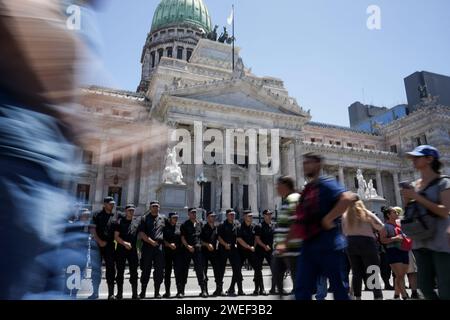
[172, 172]
[371, 192]
[362, 184]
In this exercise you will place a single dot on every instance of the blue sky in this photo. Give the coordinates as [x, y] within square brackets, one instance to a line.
[322, 49]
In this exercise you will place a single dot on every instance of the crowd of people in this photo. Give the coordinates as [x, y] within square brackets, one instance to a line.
[320, 234]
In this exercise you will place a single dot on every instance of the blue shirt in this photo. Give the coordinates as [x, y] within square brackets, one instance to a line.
[329, 193]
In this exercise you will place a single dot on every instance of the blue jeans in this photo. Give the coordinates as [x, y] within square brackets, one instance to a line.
[313, 263]
[34, 155]
[322, 288]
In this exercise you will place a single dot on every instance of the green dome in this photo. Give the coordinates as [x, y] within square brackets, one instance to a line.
[175, 12]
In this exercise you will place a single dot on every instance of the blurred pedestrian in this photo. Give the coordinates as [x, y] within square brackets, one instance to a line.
[359, 225]
[429, 200]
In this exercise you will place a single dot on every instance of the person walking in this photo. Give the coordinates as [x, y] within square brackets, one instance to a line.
[358, 225]
[398, 258]
[430, 197]
[323, 202]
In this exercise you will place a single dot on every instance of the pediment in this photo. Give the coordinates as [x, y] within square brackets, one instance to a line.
[240, 93]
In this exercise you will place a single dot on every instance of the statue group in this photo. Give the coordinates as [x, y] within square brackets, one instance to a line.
[172, 172]
[224, 37]
[365, 190]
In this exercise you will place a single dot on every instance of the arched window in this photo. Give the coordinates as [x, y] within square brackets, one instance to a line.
[188, 54]
[153, 57]
[169, 52]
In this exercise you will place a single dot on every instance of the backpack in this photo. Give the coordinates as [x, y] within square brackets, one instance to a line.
[419, 223]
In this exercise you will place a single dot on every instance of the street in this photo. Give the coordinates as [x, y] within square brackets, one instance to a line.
[192, 289]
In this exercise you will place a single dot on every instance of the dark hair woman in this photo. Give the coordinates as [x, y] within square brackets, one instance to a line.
[397, 258]
[432, 195]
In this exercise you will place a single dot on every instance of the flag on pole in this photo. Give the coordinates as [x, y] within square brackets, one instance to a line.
[231, 17]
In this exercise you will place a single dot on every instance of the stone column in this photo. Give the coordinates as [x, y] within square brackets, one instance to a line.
[253, 188]
[198, 162]
[270, 193]
[291, 161]
[145, 168]
[299, 164]
[132, 175]
[226, 187]
[341, 175]
[379, 184]
[100, 176]
[398, 198]
[284, 158]
[240, 195]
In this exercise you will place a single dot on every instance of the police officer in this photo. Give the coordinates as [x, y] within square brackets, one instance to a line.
[103, 232]
[264, 247]
[190, 237]
[227, 236]
[151, 233]
[246, 246]
[209, 251]
[172, 254]
[125, 234]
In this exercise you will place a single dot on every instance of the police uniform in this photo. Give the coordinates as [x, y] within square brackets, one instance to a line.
[104, 227]
[191, 232]
[173, 258]
[228, 232]
[247, 234]
[128, 231]
[265, 232]
[152, 227]
[209, 236]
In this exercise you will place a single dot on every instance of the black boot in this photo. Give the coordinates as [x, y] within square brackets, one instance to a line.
[157, 295]
[204, 293]
[134, 289]
[119, 295]
[240, 291]
[230, 291]
[262, 292]
[256, 291]
[179, 291]
[167, 294]
[219, 291]
[143, 291]
[111, 291]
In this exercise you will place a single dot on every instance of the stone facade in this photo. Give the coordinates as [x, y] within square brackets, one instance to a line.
[181, 94]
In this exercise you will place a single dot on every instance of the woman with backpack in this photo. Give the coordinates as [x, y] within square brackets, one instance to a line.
[397, 245]
[427, 221]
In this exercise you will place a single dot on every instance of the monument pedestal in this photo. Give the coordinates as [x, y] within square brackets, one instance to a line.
[173, 197]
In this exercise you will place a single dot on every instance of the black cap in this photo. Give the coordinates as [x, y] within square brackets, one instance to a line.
[210, 213]
[154, 203]
[248, 212]
[267, 211]
[173, 214]
[192, 210]
[230, 211]
[108, 200]
[130, 206]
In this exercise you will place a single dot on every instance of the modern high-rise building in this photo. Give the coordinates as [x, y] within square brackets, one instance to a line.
[424, 84]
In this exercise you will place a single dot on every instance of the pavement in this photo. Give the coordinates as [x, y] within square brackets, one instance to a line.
[193, 290]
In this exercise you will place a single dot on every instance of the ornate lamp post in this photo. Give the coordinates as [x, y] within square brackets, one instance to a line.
[201, 180]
